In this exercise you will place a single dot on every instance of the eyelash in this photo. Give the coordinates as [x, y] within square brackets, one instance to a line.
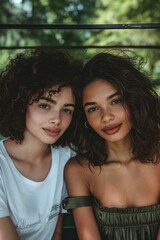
[116, 101]
[47, 106]
[68, 111]
[44, 106]
[92, 109]
[113, 102]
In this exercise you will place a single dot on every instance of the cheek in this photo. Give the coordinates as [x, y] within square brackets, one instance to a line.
[127, 119]
[93, 120]
[129, 124]
[29, 121]
[32, 118]
[66, 121]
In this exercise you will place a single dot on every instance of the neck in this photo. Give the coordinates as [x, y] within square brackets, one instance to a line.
[27, 150]
[120, 152]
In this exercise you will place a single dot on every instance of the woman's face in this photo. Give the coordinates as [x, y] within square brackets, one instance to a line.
[48, 119]
[105, 111]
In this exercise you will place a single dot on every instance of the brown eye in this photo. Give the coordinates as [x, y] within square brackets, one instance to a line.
[92, 109]
[68, 111]
[116, 101]
[44, 106]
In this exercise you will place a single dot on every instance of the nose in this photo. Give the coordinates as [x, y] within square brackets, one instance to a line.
[107, 115]
[55, 118]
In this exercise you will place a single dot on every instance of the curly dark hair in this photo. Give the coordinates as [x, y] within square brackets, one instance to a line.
[31, 74]
[125, 73]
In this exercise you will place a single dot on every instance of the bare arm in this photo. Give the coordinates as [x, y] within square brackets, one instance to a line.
[85, 222]
[58, 230]
[7, 229]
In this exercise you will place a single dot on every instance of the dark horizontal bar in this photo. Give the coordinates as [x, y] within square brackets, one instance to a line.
[80, 47]
[80, 26]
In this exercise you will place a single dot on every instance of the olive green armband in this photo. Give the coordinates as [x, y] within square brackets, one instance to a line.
[75, 202]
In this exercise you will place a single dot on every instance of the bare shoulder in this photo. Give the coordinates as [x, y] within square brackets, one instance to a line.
[76, 177]
[75, 166]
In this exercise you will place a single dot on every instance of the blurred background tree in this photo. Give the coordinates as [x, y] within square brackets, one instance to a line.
[83, 12]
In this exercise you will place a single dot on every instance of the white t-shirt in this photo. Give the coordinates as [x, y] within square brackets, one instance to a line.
[33, 206]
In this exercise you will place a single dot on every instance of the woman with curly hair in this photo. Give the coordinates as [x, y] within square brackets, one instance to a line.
[37, 110]
[116, 171]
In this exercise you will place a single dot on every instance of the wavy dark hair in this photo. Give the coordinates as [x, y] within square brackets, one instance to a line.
[31, 74]
[124, 72]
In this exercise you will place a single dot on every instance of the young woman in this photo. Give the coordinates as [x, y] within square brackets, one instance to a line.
[114, 182]
[37, 103]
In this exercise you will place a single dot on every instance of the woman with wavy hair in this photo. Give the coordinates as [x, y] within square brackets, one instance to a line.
[37, 111]
[115, 193]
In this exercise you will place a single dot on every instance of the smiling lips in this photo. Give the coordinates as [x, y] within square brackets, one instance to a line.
[52, 132]
[111, 129]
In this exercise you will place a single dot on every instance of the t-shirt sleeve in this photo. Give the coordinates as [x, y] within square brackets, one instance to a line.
[4, 211]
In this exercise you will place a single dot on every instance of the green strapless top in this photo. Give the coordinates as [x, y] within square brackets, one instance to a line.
[132, 223]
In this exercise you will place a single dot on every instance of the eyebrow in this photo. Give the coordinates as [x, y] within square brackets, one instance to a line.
[54, 102]
[108, 98]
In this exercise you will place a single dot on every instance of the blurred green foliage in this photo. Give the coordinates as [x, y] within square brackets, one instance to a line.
[82, 12]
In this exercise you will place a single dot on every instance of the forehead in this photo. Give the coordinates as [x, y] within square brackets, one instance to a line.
[98, 88]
